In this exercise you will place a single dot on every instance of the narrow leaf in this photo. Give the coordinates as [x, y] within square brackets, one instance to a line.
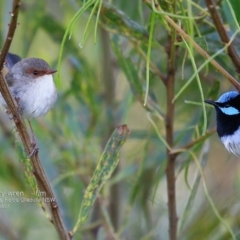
[103, 172]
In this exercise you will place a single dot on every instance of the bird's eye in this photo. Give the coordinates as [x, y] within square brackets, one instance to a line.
[227, 106]
[35, 72]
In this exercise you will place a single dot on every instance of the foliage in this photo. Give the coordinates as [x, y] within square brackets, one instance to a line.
[123, 62]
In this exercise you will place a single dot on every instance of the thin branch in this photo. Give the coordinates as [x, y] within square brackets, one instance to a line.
[12, 27]
[38, 170]
[223, 34]
[179, 150]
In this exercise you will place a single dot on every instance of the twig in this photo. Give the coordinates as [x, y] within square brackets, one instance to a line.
[12, 27]
[223, 34]
[179, 150]
[38, 170]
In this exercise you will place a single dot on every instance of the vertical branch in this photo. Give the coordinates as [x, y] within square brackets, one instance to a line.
[109, 96]
[169, 128]
[223, 34]
[38, 170]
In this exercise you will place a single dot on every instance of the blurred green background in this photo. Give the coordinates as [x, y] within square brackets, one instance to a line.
[101, 84]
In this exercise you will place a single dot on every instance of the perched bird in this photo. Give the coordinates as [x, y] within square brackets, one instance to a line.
[228, 120]
[31, 84]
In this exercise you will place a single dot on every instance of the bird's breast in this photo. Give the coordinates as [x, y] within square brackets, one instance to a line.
[36, 98]
[232, 142]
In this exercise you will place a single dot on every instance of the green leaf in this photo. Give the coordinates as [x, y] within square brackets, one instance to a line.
[231, 10]
[129, 70]
[194, 189]
[116, 21]
[103, 172]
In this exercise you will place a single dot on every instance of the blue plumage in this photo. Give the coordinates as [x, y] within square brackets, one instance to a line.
[227, 96]
[228, 120]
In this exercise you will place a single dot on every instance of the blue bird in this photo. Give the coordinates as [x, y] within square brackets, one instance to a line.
[228, 120]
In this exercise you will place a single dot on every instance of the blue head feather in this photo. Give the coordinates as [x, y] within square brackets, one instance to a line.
[227, 96]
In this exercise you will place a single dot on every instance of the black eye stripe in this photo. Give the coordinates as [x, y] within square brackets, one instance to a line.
[228, 104]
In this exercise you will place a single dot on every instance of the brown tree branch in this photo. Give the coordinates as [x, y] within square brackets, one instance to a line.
[169, 128]
[38, 170]
[223, 34]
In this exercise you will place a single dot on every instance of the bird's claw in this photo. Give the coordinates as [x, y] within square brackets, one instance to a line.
[34, 151]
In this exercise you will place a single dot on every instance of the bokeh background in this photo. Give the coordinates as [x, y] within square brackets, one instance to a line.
[101, 84]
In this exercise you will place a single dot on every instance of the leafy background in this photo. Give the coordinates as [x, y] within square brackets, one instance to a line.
[101, 83]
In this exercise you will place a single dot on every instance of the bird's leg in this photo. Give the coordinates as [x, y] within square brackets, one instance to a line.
[19, 109]
[8, 112]
[33, 142]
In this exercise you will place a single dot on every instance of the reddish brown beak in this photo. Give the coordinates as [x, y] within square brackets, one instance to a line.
[50, 71]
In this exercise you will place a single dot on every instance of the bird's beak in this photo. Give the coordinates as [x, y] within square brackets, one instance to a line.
[50, 71]
[211, 102]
